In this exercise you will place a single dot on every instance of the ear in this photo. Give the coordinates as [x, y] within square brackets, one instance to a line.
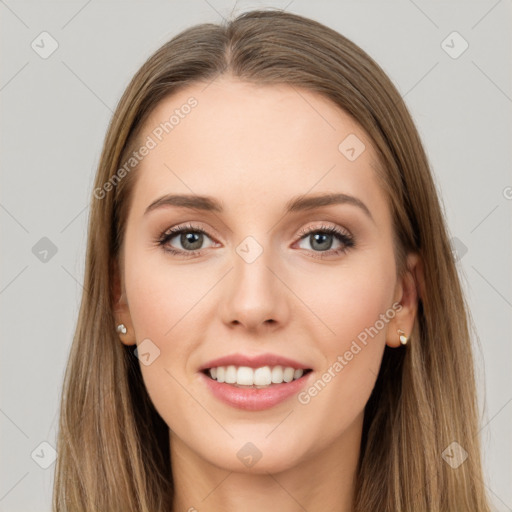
[121, 309]
[407, 294]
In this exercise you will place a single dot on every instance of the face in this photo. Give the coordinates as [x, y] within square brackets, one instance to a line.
[258, 270]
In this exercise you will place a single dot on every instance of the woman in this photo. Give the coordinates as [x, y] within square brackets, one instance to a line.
[272, 318]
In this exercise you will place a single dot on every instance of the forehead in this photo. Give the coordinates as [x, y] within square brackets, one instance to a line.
[253, 142]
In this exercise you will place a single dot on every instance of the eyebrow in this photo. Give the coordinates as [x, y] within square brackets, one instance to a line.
[296, 204]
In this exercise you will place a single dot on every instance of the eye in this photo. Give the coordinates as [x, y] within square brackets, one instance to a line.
[191, 239]
[320, 240]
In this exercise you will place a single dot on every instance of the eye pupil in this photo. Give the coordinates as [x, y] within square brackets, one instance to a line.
[195, 239]
[319, 239]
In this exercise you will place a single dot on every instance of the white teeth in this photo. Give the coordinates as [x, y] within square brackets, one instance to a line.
[277, 374]
[263, 376]
[245, 376]
[230, 375]
[288, 374]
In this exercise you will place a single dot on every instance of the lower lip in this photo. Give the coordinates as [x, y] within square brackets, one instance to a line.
[254, 399]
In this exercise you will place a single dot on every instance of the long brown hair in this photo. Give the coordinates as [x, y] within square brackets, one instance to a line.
[113, 447]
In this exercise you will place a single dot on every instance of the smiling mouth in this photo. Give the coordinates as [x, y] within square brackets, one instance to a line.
[259, 378]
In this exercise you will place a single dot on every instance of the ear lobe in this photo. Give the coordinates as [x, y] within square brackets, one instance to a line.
[407, 295]
[121, 309]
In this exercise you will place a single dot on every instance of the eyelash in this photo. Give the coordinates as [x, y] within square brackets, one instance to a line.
[346, 239]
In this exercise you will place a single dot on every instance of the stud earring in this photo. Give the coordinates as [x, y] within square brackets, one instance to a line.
[121, 329]
[403, 338]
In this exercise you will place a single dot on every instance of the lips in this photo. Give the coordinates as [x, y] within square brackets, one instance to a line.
[252, 399]
[256, 361]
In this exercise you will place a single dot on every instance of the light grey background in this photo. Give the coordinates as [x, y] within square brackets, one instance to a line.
[54, 115]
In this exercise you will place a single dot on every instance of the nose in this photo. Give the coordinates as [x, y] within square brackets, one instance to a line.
[256, 297]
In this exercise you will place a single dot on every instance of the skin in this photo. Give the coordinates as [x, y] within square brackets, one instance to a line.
[254, 148]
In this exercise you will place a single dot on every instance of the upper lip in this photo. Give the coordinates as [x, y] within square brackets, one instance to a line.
[256, 361]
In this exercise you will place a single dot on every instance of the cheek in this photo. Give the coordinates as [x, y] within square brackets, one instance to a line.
[165, 306]
[162, 297]
[349, 299]
[355, 306]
